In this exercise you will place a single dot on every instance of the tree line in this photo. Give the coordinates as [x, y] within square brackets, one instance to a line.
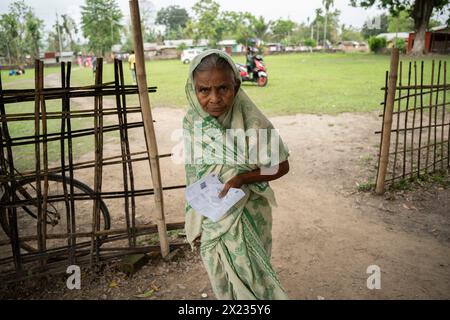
[22, 32]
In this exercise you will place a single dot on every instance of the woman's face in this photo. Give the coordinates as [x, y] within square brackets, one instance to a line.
[215, 90]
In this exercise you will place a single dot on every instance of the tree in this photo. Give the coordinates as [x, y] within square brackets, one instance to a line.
[318, 21]
[402, 22]
[174, 18]
[208, 22]
[33, 34]
[327, 4]
[419, 10]
[377, 25]
[20, 32]
[282, 29]
[8, 34]
[70, 29]
[239, 25]
[350, 33]
[101, 25]
[261, 28]
[332, 24]
[299, 34]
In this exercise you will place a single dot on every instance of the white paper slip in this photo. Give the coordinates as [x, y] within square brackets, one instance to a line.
[203, 197]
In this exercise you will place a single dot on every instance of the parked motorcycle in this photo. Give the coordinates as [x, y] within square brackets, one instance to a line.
[258, 75]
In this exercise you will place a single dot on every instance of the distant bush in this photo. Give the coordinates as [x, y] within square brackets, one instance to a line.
[377, 44]
[310, 43]
[401, 45]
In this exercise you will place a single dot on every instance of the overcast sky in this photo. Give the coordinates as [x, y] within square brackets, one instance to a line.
[296, 10]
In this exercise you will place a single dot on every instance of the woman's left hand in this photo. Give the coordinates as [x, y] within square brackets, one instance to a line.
[235, 182]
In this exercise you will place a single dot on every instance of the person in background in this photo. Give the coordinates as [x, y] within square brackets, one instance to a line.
[132, 64]
[94, 65]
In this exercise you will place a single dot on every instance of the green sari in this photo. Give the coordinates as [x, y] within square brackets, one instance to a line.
[235, 250]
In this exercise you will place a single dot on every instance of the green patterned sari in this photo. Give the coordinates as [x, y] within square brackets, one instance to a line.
[236, 250]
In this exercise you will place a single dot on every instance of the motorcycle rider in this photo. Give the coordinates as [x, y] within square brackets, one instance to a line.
[251, 65]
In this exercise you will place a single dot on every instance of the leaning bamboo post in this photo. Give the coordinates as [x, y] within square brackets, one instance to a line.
[41, 219]
[147, 118]
[387, 123]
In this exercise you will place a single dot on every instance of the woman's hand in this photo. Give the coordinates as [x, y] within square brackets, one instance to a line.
[255, 176]
[235, 182]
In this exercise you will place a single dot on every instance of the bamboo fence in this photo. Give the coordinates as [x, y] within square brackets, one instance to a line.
[29, 254]
[415, 136]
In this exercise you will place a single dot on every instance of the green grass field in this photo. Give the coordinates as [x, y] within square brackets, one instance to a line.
[298, 83]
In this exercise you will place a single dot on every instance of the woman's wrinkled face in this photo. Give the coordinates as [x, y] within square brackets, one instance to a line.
[215, 90]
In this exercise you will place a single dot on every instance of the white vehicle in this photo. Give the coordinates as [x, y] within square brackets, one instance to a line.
[189, 54]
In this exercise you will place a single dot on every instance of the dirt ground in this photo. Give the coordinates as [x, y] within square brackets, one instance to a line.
[325, 233]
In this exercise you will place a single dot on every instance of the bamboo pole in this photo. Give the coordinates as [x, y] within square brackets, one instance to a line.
[443, 115]
[430, 117]
[128, 161]
[414, 119]
[436, 109]
[122, 149]
[11, 191]
[419, 154]
[44, 158]
[406, 122]
[37, 148]
[394, 167]
[98, 171]
[147, 118]
[387, 123]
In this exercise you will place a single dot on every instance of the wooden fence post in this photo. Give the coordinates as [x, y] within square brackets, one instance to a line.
[147, 118]
[387, 123]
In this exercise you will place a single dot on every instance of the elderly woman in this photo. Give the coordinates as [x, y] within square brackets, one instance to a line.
[235, 250]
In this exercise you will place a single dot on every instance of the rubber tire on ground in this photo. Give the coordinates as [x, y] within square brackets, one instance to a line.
[262, 81]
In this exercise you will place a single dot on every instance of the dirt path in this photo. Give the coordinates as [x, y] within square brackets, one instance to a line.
[325, 234]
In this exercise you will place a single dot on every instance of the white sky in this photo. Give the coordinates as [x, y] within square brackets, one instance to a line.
[296, 10]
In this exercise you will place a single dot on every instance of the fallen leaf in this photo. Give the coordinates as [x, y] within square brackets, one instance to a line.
[113, 284]
[146, 294]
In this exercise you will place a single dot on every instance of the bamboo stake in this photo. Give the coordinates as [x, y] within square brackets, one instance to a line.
[406, 121]
[63, 150]
[11, 191]
[387, 123]
[430, 116]
[73, 228]
[443, 115]
[421, 119]
[436, 119]
[152, 147]
[384, 112]
[44, 158]
[398, 121]
[122, 149]
[37, 109]
[414, 119]
[128, 161]
[98, 171]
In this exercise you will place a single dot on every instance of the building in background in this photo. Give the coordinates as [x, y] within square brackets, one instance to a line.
[437, 40]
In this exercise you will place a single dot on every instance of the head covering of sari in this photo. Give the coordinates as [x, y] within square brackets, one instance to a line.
[242, 115]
